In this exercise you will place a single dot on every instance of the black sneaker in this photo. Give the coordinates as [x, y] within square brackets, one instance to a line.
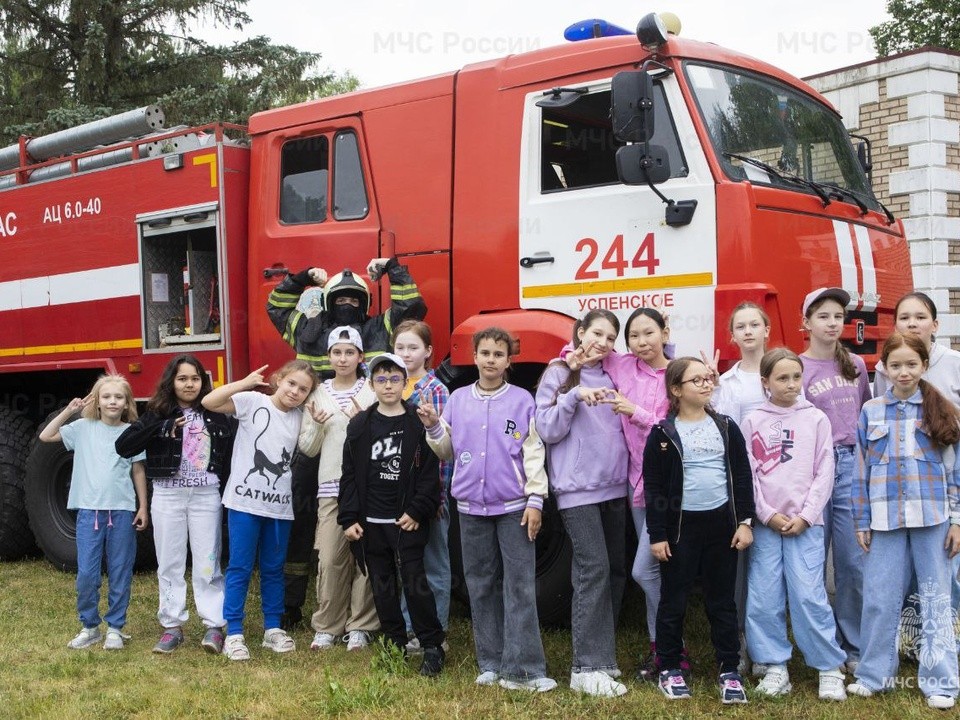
[731, 688]
[673, 686]
[433, 658]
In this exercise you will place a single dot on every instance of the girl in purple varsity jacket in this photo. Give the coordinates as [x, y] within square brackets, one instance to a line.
[499, 482]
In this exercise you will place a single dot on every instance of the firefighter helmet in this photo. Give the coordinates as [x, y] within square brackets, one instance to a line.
[346, 283]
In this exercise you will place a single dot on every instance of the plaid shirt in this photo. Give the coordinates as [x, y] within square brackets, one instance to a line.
[438, 394]
[902, 478]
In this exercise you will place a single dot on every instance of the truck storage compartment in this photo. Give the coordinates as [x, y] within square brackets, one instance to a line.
[180, 273]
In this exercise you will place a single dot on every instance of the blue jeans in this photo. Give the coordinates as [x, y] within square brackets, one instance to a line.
[782, 568]
[848, 558]
[921, 549]
[248, 534]
[436, 562]
[500, 567]
[598, 576]
[111, 531]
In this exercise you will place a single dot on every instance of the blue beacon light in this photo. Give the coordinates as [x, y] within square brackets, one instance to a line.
[594, 28]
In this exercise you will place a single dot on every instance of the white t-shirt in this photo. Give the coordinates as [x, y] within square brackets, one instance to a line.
[100, 479]
[260, 469]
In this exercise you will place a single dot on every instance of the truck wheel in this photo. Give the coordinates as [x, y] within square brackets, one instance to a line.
[16, 540]
[48, 484]
[554, 554]
[54, 526]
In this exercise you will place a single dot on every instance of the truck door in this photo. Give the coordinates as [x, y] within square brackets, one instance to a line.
[315, 209]
[587, 241]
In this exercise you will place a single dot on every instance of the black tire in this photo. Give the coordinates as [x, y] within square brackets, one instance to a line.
[48, 471]
[48, 485]
[16, 540]
[554, 555]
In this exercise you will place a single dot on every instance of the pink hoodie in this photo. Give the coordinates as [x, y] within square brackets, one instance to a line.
[791, 453]
[645, 388]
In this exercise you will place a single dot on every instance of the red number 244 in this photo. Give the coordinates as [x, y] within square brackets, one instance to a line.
[614, 258]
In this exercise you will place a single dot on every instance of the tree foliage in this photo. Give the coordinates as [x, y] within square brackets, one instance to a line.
[916, 24]
[63, 62]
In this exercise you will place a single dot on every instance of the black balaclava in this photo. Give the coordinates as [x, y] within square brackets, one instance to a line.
[346, 314]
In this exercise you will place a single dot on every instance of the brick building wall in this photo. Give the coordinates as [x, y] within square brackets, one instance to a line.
[908, 106]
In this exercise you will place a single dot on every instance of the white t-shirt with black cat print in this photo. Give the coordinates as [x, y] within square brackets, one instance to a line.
[259, 481]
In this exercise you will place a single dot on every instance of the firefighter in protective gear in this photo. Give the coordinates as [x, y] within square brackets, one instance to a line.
[346, 301]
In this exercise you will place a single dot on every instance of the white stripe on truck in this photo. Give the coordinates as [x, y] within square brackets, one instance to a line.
[84, 286]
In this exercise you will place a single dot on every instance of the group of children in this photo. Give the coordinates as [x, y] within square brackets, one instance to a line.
[785, 454]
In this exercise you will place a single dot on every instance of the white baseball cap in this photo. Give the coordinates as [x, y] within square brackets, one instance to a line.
[386, 358]
[352, 337]
[838, 294]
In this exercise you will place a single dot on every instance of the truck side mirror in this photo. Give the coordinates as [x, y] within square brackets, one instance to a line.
[631, 106]
[643, 165]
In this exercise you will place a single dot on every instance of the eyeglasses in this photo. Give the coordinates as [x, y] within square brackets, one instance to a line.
[391, 379]
[699, 381]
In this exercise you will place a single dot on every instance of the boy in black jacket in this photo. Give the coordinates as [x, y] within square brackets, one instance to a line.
[389, 490]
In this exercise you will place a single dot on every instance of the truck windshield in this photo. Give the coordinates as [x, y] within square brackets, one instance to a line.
[768, 133]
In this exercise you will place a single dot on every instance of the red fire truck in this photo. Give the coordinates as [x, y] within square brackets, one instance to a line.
[521, 192]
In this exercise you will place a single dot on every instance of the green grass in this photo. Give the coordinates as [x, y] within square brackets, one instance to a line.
[41, 678]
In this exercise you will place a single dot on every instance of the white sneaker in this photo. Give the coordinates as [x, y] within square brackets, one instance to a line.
[940, 702]
[114, 639]
[615, 673]
[540, 685]
[85, 638]
[487, 677]
[235, 648]
[759, 669]
[323, 641]
[855, 688]
[357, 639]
[775, 682]
[413, 646]
[596, 683]
[277, 640]
[831, 686]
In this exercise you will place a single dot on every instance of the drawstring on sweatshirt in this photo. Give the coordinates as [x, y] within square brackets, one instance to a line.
[109, 518]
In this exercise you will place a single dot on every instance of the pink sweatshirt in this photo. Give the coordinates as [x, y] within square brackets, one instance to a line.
[791, 453]
[645, 388]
